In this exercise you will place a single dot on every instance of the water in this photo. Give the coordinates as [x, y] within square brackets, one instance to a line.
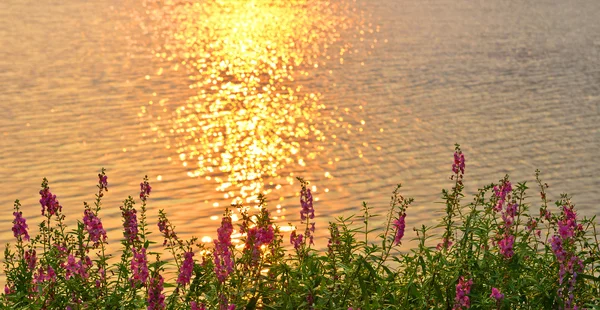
[355, 97]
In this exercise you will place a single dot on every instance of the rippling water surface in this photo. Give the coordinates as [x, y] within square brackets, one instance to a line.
[218, 101]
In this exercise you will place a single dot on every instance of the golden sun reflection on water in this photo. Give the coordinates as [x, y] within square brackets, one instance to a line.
[251, 113]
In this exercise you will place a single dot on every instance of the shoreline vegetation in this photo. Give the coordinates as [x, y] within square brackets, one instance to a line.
[496, 251]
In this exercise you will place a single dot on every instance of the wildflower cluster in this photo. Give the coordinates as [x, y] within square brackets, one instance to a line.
[249, 267]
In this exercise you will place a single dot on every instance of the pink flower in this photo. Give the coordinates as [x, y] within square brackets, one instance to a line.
[194, 306]
[75, 268]
[557, 248]
[445, 244]
[130, 224]
[139, 267]
[222, 254]
[145, 189]
[400, 225]
[103, 181]
[31, 259]
[502, 193]
[48, 200]
[463, 288]
[20, 227]
[185, 272]
[163, 227]
[93, 225]
[459, 162]
[306, 201]
[296, 239]
[156, 299]
[496, 294]
[42, 276]
[257, 237]
[506, 246]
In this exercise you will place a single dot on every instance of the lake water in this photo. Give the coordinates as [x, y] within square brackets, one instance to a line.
[225, 99]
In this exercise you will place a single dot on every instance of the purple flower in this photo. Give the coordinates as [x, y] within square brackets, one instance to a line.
[496, 294]
[93, 225]
[306, 201]
[48, 200]
[139, 267]
[130, 224]
[75, 268]
[463, 288]
[257, 237]
[145, 189]
[502, 193]
[445, 244]
[31, 259]
[459, 162]
[296, 239]
[20, 227]
[42, 276]
[506, 246]
[163, 227]
[185, 272]
[194, 306]
[156, 299]
[400, 225]
[557, 248]
[222, 254]
[103, 181]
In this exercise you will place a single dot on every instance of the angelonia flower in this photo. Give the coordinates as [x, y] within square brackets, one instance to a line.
[31, 259]
[296, 239]
[222, 254]
[496, 294]
[224, 303]
[502, 194]
[145, 189]
[139, 267]
[310, 233]
[163, 227]
[509, 211]
[445, 244]
[257, 237]
[43, 276]
[306, 201]
[506, 245]
[156, 299]
[563, 247]
[334, 239]
[194, 306]
[130, 224]
[102, 183]
[400, 225]
[463, 288]
[74, 268]
[19, 226]
[48, 200]
[185, 272]
[93, 225]
[459, 163]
